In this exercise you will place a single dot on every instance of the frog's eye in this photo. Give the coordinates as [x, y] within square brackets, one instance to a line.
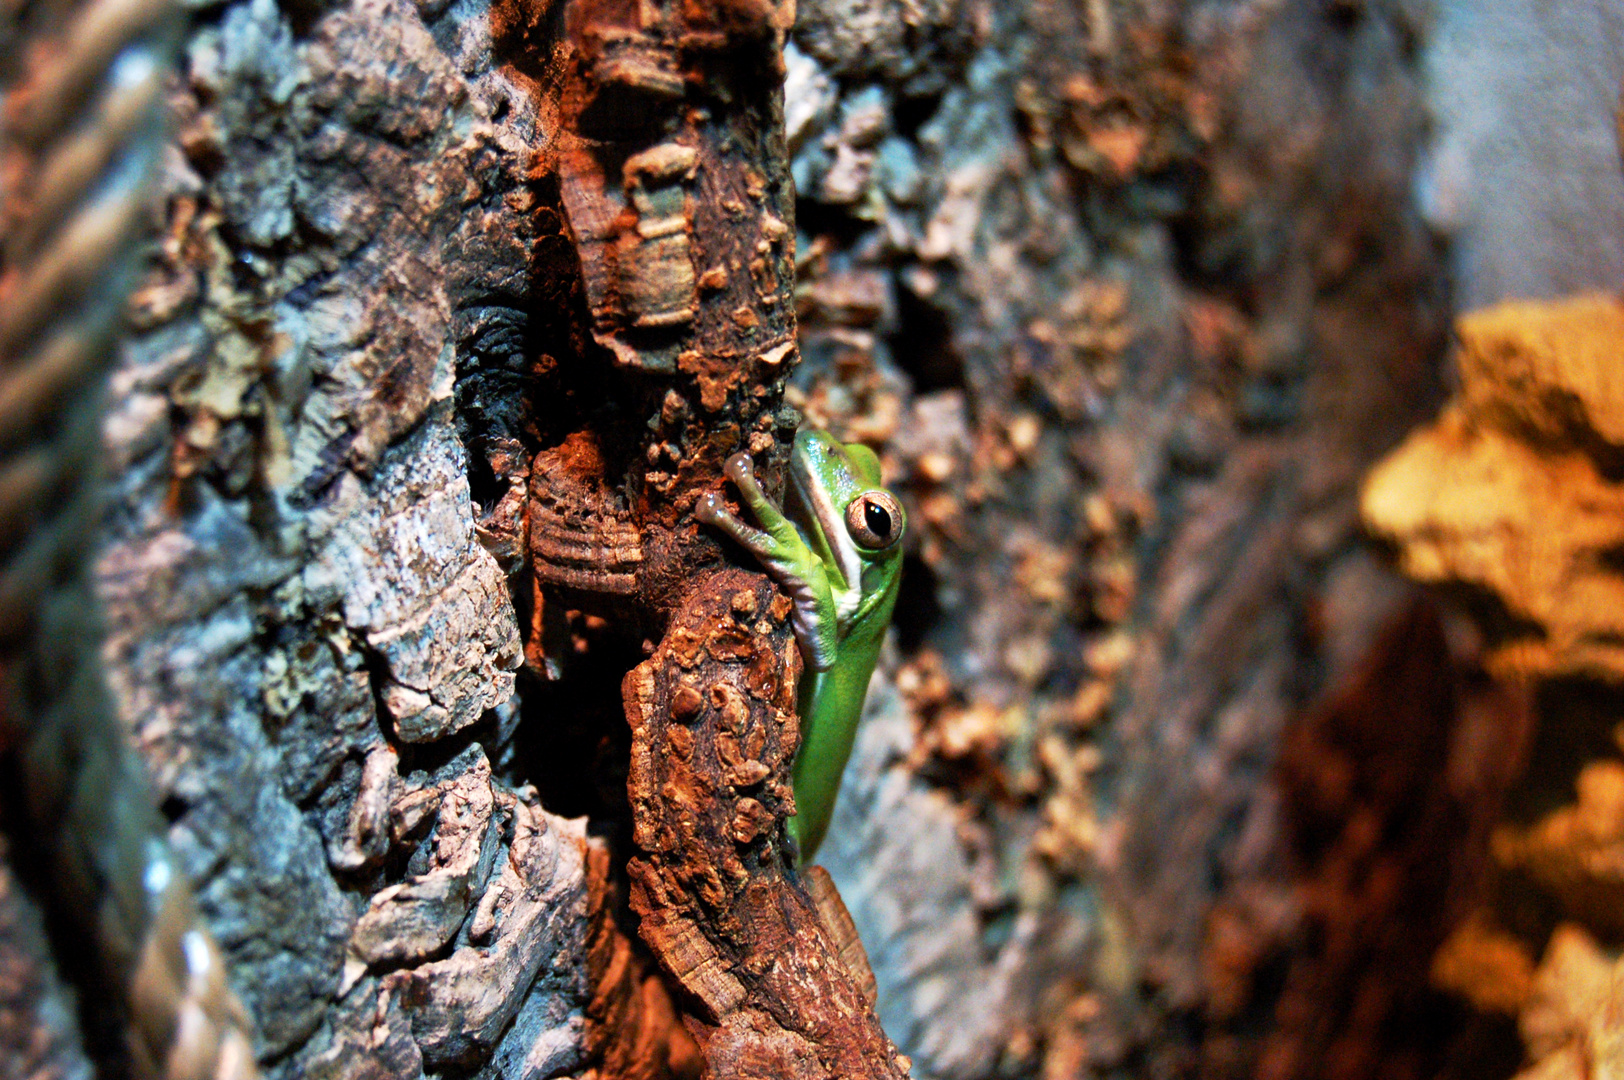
[875, 520]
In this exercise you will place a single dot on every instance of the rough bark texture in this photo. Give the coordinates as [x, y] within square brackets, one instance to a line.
[313, 651]
[459, 306]
[672, 184]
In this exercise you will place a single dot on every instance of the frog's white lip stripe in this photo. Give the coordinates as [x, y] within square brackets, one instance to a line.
[834, 529]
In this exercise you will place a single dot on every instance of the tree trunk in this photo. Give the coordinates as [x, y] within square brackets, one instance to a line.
[475, 744]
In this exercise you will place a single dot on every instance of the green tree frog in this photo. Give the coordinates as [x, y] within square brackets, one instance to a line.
[840, 559]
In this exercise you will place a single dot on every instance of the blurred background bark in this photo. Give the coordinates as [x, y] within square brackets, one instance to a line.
[1169, 773]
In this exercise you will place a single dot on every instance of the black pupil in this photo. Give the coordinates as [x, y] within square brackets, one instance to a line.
[877, 519]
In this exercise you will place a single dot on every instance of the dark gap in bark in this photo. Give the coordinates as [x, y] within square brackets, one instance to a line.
[1583, 726]
[910, 112]
[919, 608]
[572, 742]
[1611, 559]
[923, 344]
[302, 15]
[173, 808]
[1345, 16]
[1487, 1048]
[815, 219]
[1488, 610]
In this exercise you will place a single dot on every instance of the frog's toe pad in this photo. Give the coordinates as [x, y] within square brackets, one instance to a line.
[709, 509]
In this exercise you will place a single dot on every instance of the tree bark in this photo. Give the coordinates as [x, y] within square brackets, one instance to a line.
[476, 745]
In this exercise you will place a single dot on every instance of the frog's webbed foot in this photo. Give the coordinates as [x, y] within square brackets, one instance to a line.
[785, 556]
[777, 541]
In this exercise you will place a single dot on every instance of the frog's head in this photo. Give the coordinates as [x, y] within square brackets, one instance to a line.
[853, 523]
